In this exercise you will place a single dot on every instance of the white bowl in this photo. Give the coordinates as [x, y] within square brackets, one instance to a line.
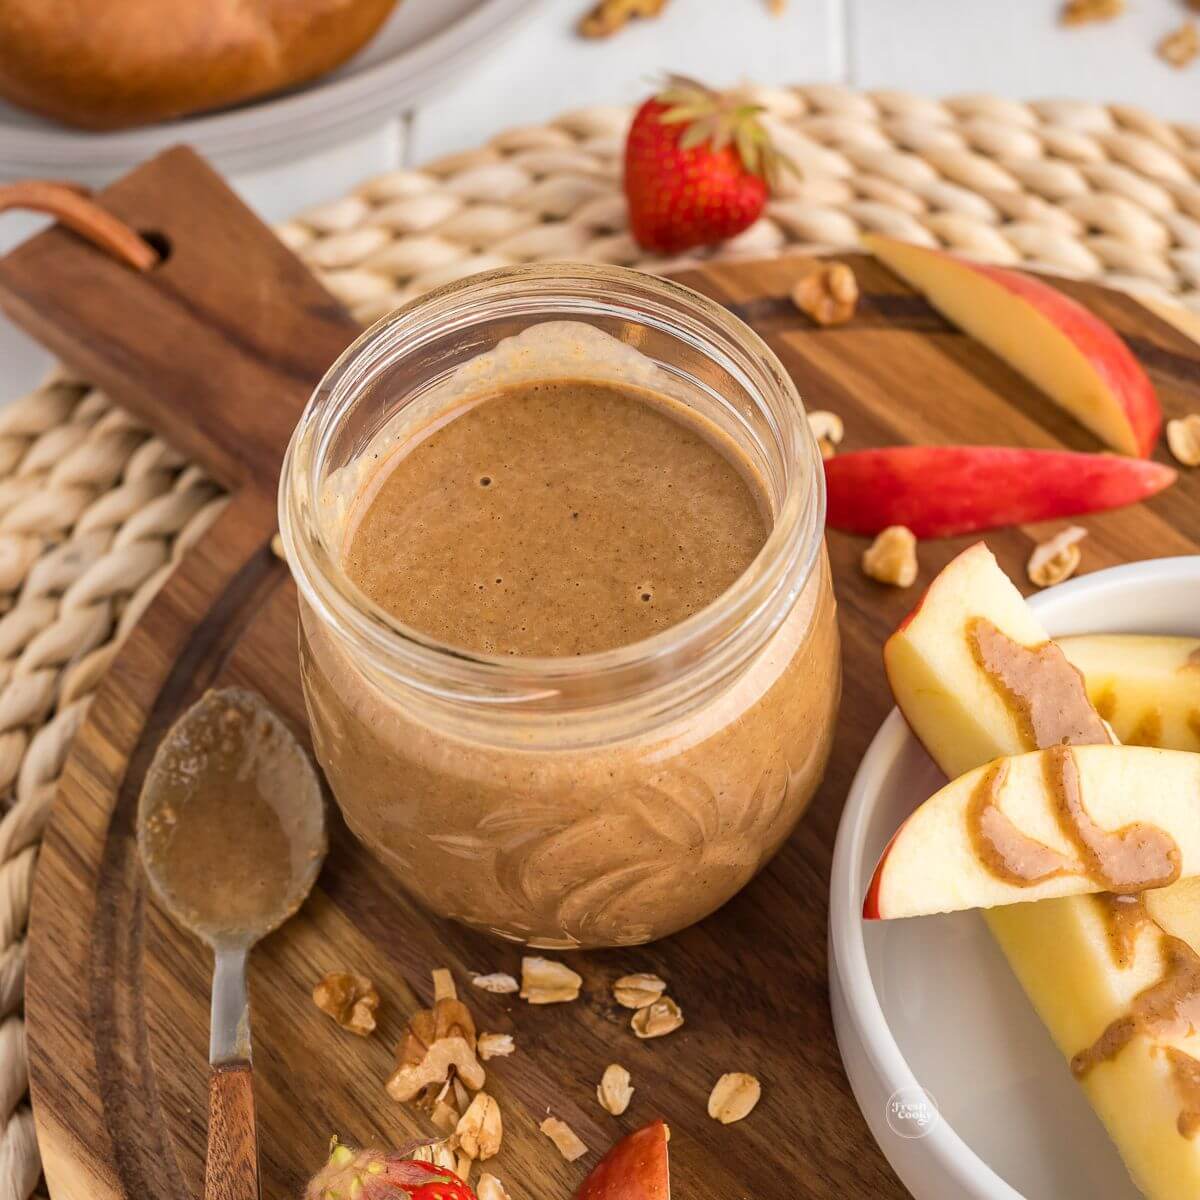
[931, 1003]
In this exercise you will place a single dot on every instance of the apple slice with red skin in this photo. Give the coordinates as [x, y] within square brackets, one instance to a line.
[1066, 351]
[1146, 799]
[636, 1168]
[945, 491]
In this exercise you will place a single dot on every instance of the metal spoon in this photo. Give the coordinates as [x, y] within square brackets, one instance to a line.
[231, 829]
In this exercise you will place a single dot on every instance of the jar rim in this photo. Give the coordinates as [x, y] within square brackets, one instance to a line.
[712, 636]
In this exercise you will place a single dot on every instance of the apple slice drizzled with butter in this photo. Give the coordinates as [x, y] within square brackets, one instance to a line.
[1066, 821]
[1116, 979]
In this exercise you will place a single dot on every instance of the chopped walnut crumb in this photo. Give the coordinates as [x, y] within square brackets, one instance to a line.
[495, 1045]
[444, 1116]
[614, 1091]
[490, 1188]
[892, 557]
[443, 985]
[828, 429]
[408, 1080]
[1183, 439]
[351, 1000]
[733, 1097]
[1057, 558]
[499, 983]
[828, 293]
[1181, 46]
[564, 1137]
[658, 1019]
[544, 981]
[1081, 12]
[437, 1039]
[480, 1129]
[463, 1166]
[609, 16]
[636, 991]
[438, 1153]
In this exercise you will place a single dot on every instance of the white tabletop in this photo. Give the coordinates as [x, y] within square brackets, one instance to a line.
[936, 47]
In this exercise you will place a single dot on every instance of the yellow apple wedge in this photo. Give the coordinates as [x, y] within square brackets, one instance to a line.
[935, 864]
[1063, 951]
[1147, 688]
[949, 702]
[1177, 910]
[1057, 344]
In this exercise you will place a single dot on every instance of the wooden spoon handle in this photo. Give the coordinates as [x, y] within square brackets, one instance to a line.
[231, 1168]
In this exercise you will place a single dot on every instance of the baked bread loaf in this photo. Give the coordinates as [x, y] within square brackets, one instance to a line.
[106, 64]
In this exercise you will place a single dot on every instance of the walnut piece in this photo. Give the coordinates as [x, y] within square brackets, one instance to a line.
[1081, 12]
[828, 429]
[564, 1137]
[892, 557]
[1181, 46]
[490, 1188]
[444, 1116]
[499, 983]
[733, 1097]
[1056, 559]
[480, 1129]
[609, 16]
[439, 1153]
[657, 1019]
[495, 1045]
[409, 1078]
[351, 1000]
[443, 985]
[614, 1091]
[636, 991]
[1183, 439]
[544, 981]
[828, 293]
[464, 1164]
[446, 1019]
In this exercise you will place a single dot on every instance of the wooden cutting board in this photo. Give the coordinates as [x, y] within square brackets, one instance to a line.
[118, 998]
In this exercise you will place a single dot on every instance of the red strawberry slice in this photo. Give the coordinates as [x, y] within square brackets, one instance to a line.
[698, 167]
[636, 1168]
[383, 1175]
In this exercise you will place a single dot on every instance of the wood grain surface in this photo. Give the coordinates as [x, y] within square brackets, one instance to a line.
[118, 997]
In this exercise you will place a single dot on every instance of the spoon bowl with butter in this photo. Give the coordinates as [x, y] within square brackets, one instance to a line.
[231, 829]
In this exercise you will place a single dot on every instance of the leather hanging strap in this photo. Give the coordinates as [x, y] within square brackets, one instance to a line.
[71, 205]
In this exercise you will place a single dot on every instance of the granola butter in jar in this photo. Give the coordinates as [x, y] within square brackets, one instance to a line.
[567, 633]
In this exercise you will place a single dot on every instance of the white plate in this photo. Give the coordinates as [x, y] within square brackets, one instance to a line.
[931, 1003]
[422, 45]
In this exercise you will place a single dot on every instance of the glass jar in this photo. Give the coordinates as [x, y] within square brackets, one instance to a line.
[601, 800]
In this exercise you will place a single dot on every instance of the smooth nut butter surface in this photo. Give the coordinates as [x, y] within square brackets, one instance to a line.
[221, 832]
[557, 518]
[571, 503]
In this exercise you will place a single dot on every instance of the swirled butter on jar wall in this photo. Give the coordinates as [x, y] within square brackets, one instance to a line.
[567, 633]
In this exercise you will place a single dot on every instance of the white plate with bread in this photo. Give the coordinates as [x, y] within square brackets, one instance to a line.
[257, 81]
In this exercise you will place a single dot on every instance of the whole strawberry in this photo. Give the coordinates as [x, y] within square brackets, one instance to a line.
[383, 1175]
[698, 167]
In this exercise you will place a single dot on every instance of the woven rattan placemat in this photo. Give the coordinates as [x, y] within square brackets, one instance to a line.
[94, 509]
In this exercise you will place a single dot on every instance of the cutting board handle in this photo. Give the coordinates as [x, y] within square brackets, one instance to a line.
[215, 336]
[231, 1166]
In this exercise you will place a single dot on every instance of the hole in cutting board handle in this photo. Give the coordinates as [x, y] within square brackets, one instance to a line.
[158, 242]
